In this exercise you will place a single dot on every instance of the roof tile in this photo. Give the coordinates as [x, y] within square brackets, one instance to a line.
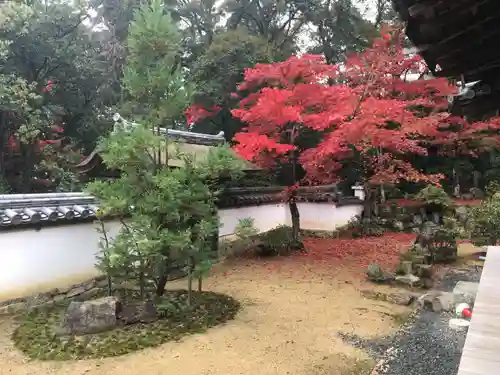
[18, 209]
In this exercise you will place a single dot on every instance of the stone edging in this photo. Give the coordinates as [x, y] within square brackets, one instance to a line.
[81, 291]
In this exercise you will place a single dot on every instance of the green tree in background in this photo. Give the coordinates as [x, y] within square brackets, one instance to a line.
[49, 41]
[340, 29]
[54, 83]
[218, 71]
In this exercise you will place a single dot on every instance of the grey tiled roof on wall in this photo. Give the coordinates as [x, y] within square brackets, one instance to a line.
[18, 209]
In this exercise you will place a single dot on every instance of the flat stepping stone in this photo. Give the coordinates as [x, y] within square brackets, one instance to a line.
[466, 291]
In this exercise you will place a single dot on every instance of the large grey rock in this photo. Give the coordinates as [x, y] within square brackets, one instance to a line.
[374, 271]
[93, 316]
[426, 300]
[143, 312]
[375, 274]
[444, 302]
[438, 301]
[465, 291]
[466, 287]
[403, 299]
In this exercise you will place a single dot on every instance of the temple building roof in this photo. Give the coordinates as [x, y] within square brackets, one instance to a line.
[455, 37]
[458, 39]
[197, 144]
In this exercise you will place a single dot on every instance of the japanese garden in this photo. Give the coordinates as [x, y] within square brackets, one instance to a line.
[281, 187]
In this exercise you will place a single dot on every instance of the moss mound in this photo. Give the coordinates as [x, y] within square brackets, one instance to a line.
[35, 335]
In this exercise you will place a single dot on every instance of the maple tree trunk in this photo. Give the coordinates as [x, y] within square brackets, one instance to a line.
[294, 213]
[369, 203]
[382, 193]
[292, 203]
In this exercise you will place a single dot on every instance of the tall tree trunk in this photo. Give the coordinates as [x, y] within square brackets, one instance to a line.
[141, 283]
[292, 202]
[190, 280]
[368, 203]
[160, 286]
[295, 215]
[382, 194]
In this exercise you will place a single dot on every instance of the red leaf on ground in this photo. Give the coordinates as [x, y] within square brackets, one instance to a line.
[357, 254]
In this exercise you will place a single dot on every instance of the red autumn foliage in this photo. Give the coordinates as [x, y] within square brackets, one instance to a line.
[365, 107]
[357, 254]
[327, 256]
[14, 143]
[460, 137]
[196, 113]
[49, 87]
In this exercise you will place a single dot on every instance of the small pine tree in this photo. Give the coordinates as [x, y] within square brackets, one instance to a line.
[168, 216]
[153, 77]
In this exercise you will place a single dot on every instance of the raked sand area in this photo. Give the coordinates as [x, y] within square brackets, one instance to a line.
[292, 309]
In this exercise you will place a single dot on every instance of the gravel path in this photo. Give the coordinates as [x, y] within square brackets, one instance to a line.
[285, 327]
[425, 344]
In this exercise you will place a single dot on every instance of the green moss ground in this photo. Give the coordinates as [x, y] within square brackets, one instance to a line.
[35, 335]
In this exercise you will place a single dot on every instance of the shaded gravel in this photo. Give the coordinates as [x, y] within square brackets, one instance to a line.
[425, 344]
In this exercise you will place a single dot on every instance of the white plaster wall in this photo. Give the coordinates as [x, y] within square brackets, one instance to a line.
[34, 261]
[324, 216]
[266, 217]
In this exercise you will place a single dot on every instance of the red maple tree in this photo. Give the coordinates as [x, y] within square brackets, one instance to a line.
[380, 108]
[366, 107]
